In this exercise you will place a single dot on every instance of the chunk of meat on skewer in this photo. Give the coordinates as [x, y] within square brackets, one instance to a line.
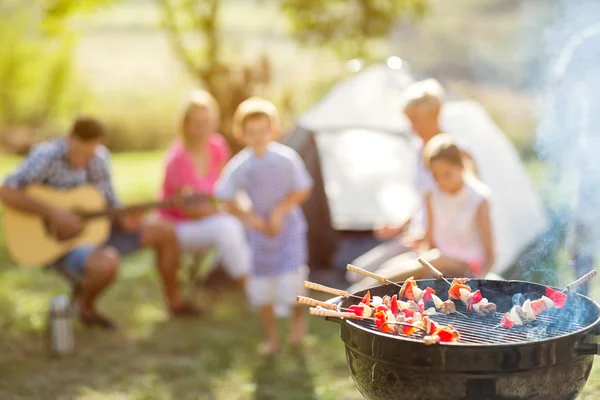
[487, 310]
[448, 307]
[387, 300]
[518, 316]
[398, 328]
[437, 302]
[406, 291]
[429, 325]
[413, 306]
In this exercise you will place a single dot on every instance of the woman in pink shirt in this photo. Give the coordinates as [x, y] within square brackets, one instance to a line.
[193, 164]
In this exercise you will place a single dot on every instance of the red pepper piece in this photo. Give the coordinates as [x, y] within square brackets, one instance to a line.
[382, 307]
[557, 297]
[387, 328]
[538, 307]
[427, 294]
[380, 318]
[454, 291]
[506, 321]
[380, 321]
[408, 293]
[421, 306]
[476, 297]
[367, 298]
[358, 310]
[395, 308]
[408, 313]
[408, 330]
[448, 334]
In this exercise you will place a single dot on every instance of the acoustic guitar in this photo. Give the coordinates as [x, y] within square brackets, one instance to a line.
[32, 240]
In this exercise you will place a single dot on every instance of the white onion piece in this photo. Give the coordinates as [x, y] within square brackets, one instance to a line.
[417, 317]
[390, 316]
[464, 294]
[430, 311]
[548, 302]
[528, 310]
[483, 302]
[437, 302]
[402, 305]
[418, 293]
[376, 301]
[515, 317]
[367, 311]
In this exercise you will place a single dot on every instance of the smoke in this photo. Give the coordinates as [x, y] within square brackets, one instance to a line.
[568, 133]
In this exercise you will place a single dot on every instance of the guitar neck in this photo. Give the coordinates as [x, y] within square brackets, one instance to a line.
[111, 212]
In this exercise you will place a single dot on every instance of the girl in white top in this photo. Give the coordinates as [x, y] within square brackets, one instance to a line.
[458, 238]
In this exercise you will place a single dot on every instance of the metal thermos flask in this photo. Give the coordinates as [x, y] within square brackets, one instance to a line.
[60, 326]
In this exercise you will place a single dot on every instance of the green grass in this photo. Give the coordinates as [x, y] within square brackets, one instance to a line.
[153, 357]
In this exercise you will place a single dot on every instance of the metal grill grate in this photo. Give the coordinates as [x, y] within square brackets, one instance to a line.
[481, 330]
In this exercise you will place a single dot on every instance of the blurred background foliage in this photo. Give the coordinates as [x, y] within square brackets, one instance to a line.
[131, 62]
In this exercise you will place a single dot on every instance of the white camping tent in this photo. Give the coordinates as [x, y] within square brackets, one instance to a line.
[366, 155]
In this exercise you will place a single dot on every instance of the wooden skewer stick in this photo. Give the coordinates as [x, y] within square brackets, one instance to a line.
[433, 269]
[327, 289]
[338, 314]
[580, 281]
[370, 274]
[316, 303]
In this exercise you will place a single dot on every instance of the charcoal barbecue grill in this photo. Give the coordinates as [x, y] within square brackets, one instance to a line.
[549, 360]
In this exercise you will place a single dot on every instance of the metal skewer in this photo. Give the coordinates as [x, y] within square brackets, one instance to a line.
[437, 273]
[370, 274]
[336, 314]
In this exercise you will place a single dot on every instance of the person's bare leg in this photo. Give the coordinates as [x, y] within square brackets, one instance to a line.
[447, 266]
[269, 324]
[451, 268]
[161, 236]
[100, 271]
[299, 325]
[374, 258]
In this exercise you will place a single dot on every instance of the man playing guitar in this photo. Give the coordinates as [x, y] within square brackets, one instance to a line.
[78, 159]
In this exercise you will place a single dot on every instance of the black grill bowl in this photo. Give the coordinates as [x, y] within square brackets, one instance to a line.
[550, 360]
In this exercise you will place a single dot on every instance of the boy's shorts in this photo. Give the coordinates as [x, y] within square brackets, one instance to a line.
[281, 290]
[74, 262]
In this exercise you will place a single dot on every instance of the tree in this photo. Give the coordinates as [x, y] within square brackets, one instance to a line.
[36, 80]
[189, 22]
[348, 27]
